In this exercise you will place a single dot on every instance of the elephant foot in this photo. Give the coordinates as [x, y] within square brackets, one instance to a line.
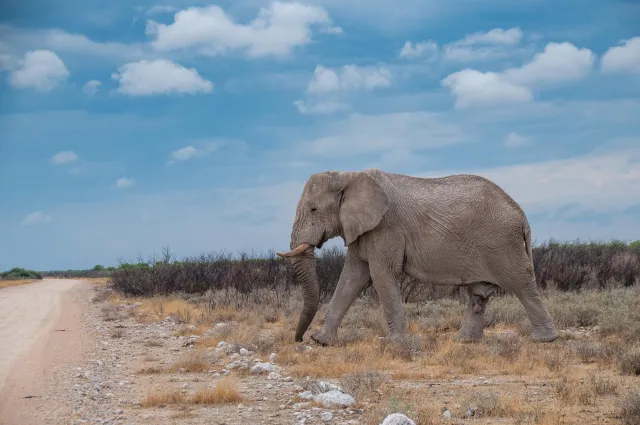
[544, 334]
[322, 338]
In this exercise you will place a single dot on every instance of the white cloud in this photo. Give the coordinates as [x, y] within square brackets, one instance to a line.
[623, 58]
[419, 49]
[496, 43]
[64, 157]
[471, 88]
[207, 147]
[91, 87]
[319, 107]
[37, 217]
[124, 182]
[515, 140]
[558, 63]
[601, 182]
[367, 134]
[160, 9]
[276, 31]
[509, 37]
[41, 70]
[160, 76]
[57, 40]
[349, 77]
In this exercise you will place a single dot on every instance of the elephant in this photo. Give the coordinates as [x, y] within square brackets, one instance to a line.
[460, 229]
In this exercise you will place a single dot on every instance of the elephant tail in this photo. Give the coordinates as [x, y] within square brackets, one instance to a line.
[527, 245]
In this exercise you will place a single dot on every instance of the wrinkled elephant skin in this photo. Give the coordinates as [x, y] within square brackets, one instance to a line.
[461, 230]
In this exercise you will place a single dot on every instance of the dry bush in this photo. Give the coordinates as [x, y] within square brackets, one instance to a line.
[151, 370]
[485, 403]
[572, 391]
[629, 362]
[603, 386]
[403, 346]
[588, 352]
[153, 343]
[225, 391]
[116, 333]
[507, 346]
[162, 398]
[362, 384]
[630, 408]
[192, 362]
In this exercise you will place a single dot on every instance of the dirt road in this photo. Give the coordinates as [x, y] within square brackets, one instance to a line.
[40, 334]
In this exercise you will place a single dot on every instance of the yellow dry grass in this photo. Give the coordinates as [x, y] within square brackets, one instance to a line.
[10, 283]
[225, 391]
[510, 376]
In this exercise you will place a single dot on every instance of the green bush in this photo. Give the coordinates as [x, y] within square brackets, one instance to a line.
[18, 273]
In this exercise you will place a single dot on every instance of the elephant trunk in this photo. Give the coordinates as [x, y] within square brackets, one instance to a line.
[304, 265]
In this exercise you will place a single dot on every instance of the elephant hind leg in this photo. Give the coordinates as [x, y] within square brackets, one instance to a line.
[543, 326]
[473, 325]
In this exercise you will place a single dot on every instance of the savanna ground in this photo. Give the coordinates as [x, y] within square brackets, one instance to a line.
[590, 375]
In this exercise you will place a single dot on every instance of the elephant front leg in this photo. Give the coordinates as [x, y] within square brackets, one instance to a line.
[473, 326]
[386, 284]
[353, 279]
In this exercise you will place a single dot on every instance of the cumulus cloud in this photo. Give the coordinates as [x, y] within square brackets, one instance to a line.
[370, 134]
[37, 217]
[41, 70]
[91, 87]
[159, 9]
[349, 77]
[124, 182]
[515, 140]
[601, 182]
[276, 31]
[558, 63]
[622, 59]
[320, 107]
[419, 49]
[64, 157]
[327, 87]
[159, 76]
[483, 46]
[203, 148]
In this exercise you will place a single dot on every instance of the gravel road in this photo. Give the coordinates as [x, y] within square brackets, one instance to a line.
[40, 335]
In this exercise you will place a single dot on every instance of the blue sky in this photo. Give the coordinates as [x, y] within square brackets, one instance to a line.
[127, 127]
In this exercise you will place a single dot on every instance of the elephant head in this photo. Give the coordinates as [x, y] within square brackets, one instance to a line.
[345, 204]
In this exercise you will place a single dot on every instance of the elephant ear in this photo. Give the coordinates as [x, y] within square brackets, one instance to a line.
[363, 205]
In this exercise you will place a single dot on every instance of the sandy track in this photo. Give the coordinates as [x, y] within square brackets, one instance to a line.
[40, 334]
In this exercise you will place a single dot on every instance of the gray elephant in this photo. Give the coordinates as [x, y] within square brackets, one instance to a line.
[459, 230]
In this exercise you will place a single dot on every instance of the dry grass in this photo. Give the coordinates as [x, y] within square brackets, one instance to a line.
[586, 368]
[194, 362]
[225, 391]
[630, 408]
[10, 283]
[163, 398]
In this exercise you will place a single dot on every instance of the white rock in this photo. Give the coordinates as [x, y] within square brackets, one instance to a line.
[221, 344]
[244, 352]
[273, 375]
[264, 367]
[307, 395]
[272, 357]
[327, 416]
[397, 419]
[334, 398]
[327, 386]
[446, 415]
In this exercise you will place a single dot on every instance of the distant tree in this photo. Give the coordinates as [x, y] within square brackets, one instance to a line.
[98, 268]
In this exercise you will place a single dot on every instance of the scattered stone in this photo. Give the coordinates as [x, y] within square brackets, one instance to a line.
[397, 419]
[264, 368]
[327, 416]
[334, 398]
[272, 357]
[446, 415]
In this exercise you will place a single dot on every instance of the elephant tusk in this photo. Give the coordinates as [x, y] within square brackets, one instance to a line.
[295, 252]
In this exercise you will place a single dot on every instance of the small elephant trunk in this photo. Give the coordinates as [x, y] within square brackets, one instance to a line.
[304, 266]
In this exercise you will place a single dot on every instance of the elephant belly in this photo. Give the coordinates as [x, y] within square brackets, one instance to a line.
[447, 270]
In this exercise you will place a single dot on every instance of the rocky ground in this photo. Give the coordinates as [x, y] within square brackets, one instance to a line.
[143, 371]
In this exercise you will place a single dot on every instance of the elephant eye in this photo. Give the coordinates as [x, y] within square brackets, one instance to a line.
[314, 209]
